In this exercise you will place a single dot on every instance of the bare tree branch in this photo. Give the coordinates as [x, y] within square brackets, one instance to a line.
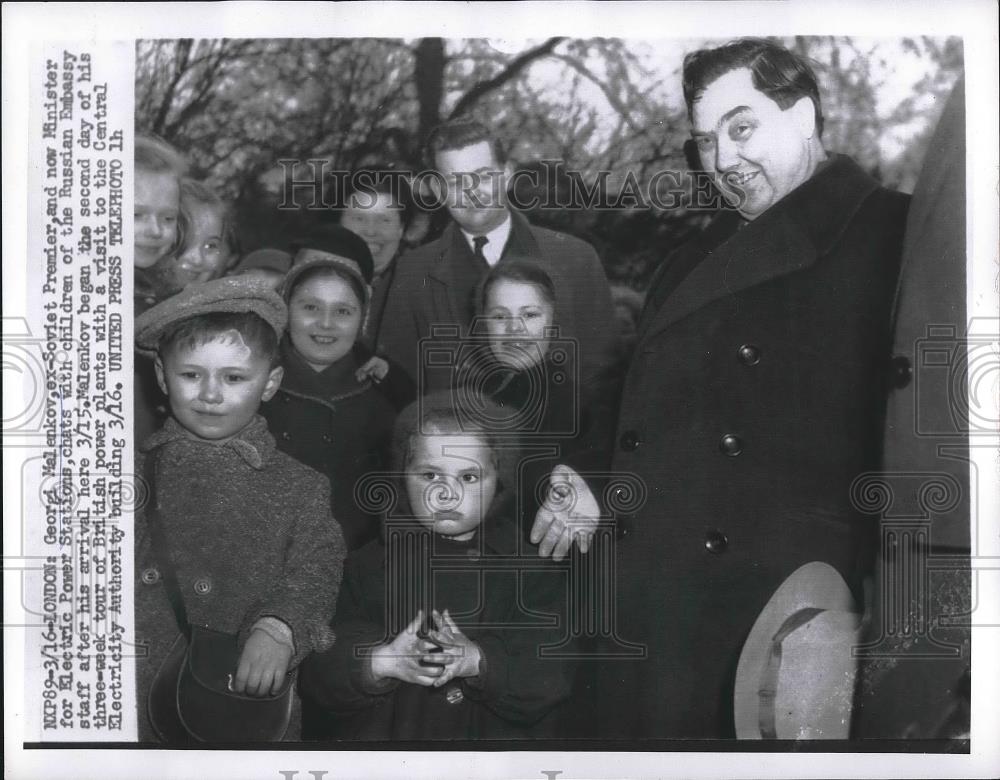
[512, 70]
[180, 69]
[612, 99]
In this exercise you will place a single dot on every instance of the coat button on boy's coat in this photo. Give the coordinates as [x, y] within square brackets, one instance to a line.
[150, 576]
[731, 445]
[203, 587]
[454, 695]
[716, 542]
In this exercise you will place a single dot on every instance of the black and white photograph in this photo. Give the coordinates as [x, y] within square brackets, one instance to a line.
[501, 390]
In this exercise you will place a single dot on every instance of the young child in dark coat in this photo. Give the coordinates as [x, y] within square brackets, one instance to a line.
[446, 629]
[327, 413]
[247, 528]
[533, 376]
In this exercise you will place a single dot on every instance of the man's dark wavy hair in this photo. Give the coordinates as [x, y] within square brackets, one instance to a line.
[778, 73]
[460, 133]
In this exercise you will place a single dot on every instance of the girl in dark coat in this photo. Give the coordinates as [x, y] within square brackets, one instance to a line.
[433, 643]
[324, 415]
[533, 375]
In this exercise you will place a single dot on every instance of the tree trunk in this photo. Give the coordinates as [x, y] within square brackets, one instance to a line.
[428, 73]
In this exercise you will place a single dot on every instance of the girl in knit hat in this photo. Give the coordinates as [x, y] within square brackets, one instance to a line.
[327, 414]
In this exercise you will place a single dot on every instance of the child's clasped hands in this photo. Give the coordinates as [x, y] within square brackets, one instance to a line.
[443, 654]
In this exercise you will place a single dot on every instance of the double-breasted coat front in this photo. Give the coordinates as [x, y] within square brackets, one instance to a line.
[753, 400]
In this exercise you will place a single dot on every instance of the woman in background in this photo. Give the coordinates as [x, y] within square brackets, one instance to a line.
[379, 209]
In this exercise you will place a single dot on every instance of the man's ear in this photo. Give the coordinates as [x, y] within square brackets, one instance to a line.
[435, 182]
[508, 177]
[160, 380]
[804, 115]
[273, 383]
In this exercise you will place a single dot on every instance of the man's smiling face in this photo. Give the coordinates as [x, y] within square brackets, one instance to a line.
[758, 151]
[476, 184]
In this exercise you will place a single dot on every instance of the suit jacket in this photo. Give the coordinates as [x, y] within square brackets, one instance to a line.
[754, 398]
[435, 285]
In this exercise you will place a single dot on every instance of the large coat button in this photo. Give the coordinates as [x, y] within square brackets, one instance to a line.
[731, 445]
[629, 441]
[749, 354]
[900, 371]
[454, 695]
[203, 586]
[150, 576]
[716, 541]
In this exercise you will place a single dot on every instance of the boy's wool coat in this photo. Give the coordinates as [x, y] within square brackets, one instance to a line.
[250, 535]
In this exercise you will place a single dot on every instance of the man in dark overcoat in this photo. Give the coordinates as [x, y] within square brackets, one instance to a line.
[435, 283]
[754, 397]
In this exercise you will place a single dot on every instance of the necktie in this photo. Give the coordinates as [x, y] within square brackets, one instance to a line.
[479, 242]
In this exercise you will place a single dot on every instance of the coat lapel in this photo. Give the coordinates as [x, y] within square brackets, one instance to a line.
[450, 266]
[787, 238]
[456, 271]
[756, 254]
[522, 241]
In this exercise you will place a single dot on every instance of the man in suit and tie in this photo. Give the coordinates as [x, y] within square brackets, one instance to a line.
[435, 283]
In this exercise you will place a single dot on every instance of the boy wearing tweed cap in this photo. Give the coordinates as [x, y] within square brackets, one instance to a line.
[248, 528]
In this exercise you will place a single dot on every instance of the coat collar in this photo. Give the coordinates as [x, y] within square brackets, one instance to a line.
[254, 444]
[334, 383]
[790, 236]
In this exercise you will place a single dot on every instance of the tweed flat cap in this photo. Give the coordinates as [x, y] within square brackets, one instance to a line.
[229, 294]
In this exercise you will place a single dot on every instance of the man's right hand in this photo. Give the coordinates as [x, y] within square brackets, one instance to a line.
[569, 512]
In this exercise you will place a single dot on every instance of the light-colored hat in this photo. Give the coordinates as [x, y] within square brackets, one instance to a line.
[795, 678]
[229, 294]
[331, 246]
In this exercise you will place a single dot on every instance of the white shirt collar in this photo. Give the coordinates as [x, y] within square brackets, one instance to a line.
[497, 241]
